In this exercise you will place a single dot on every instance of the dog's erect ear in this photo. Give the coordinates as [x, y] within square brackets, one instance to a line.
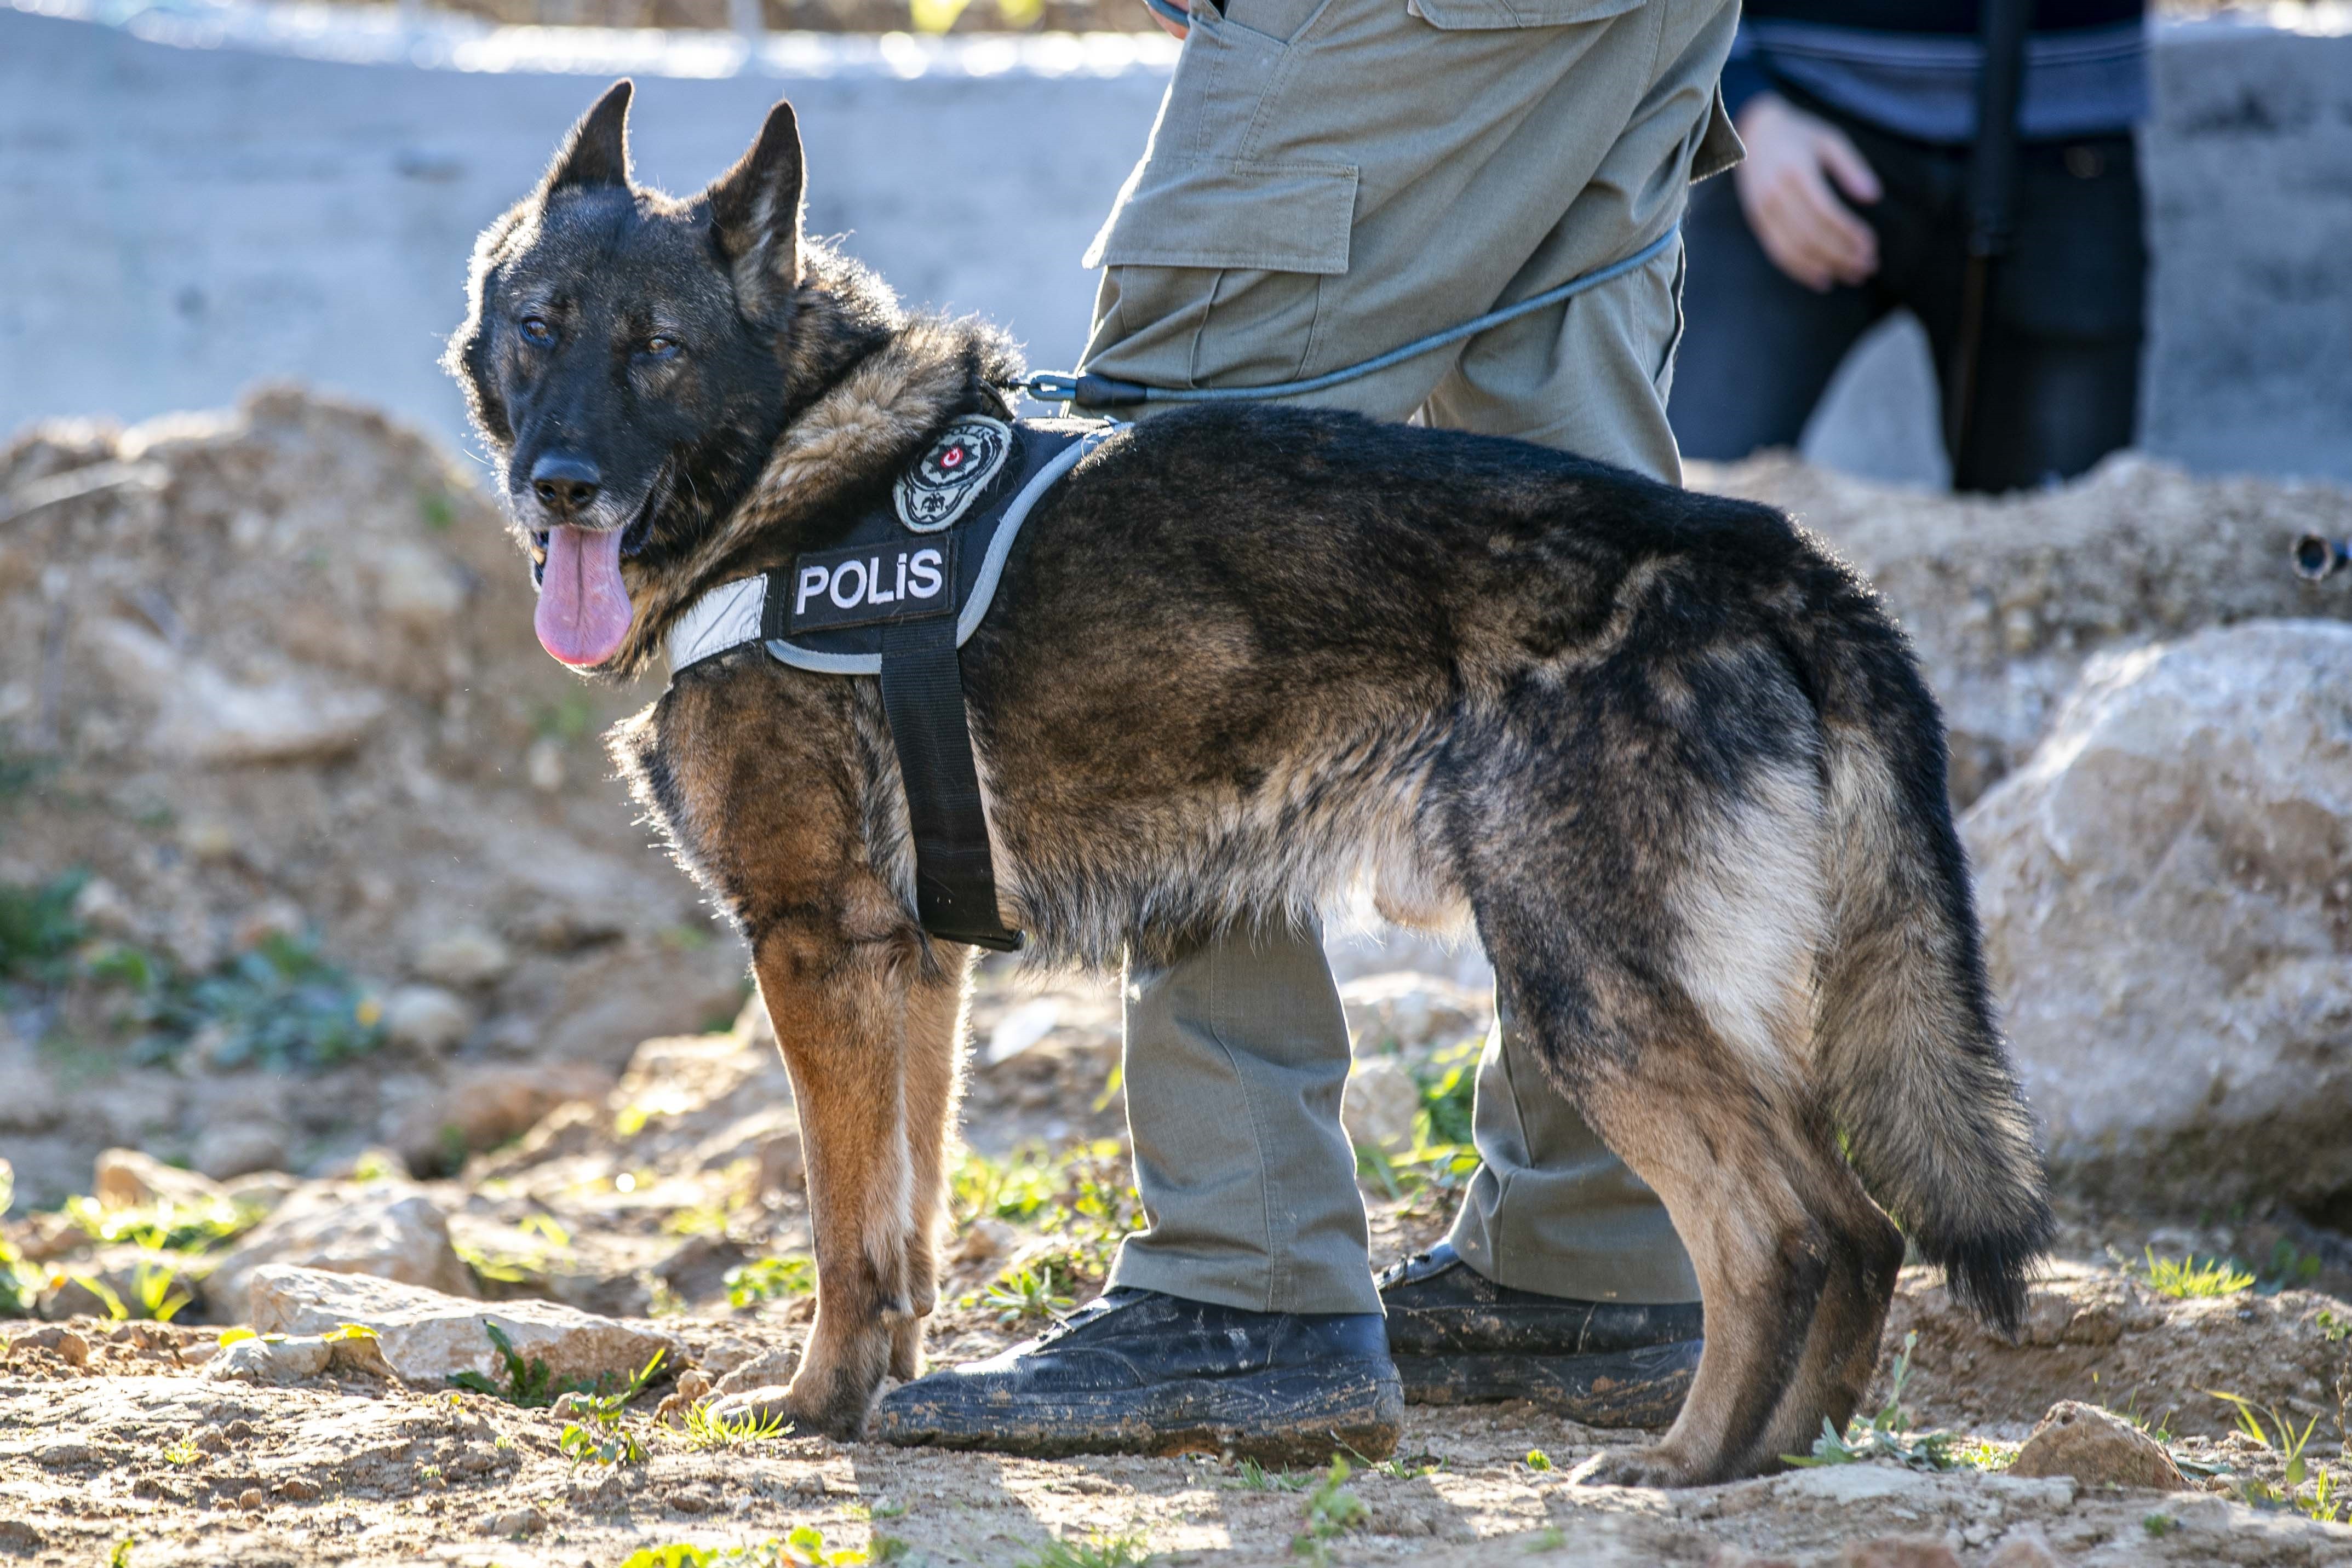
[597, 151]
[755, 209]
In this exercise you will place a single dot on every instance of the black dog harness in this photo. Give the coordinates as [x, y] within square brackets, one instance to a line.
[908, 583]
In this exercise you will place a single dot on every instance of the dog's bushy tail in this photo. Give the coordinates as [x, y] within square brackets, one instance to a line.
[1906, 1049]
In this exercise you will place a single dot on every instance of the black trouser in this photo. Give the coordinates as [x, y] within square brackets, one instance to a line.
[2058, 376]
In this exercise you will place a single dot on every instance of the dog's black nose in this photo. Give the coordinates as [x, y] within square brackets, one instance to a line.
[564, 484]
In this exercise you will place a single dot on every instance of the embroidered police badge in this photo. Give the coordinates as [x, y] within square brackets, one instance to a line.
[941, 489]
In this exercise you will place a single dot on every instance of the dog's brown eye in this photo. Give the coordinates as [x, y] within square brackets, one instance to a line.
[661, 348]
[535, 330]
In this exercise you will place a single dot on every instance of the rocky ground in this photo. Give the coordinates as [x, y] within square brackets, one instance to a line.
[337, 986]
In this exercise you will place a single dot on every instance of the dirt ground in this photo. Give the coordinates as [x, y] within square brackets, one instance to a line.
[136, 1444]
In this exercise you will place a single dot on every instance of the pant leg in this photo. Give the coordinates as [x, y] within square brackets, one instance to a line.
[2059, 375]
[1758, 348]
[1235, 1057]
[1410, 163]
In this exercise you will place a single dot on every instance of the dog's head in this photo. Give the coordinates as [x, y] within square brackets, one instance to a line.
[622, 356]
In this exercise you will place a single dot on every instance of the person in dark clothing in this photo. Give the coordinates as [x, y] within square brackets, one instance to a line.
[1859, 118]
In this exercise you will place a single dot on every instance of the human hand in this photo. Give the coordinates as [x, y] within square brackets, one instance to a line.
[1169, 25]
[1784, 189]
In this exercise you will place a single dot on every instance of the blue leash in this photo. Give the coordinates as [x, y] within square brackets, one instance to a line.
[1091, 391]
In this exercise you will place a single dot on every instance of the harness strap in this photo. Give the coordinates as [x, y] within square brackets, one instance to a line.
[922, 694]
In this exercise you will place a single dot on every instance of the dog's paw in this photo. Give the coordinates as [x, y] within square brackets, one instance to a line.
[1650, 1466]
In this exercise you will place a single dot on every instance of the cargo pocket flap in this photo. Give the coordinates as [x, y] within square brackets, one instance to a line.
[1471, 15]
[1232, 213]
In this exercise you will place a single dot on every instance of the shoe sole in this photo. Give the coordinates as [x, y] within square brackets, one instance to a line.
[1640, 1387]
[1287, 1416]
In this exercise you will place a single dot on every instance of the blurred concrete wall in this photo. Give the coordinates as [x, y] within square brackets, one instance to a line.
[176, 222]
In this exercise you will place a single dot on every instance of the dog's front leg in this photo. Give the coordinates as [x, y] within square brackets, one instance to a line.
[839, 1007]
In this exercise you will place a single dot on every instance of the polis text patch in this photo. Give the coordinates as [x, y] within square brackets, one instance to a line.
[867, 585]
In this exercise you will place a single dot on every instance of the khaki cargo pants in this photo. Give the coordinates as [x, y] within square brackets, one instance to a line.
[1329, 179]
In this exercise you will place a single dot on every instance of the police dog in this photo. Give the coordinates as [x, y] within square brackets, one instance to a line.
[1672, 756]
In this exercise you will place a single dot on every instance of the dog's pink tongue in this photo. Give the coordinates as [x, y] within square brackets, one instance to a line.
[583, 607]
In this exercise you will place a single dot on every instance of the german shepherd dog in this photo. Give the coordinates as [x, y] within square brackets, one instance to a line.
[1672, 758]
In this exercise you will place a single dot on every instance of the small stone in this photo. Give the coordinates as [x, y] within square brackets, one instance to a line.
[240, 1431]
[101, 907]
[425, 1336]
[427, 1019]
[465, 956]
[515, 1522]
[210, 1440]
[250, 1499]
[692, 1384]
[295, 1488]
[128, 1178]
[2024, 1547]
[692, 1500]
[1381, 1104]
[271, 1361]
[770, 1369]
[62, 1342]
[2097, 1447]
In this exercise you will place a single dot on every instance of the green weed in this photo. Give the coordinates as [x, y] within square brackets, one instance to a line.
[19, 1281]
[1029, 1294]
[166, 1225]
[1096, 1550]
[803, 1548]
[704, 1430]
[529, 1383]
[2332, 1329]
[1331, 1511]
[2157, 1524]
[601, 1438]
[1887, 1436]
[2190, 1279]
[1550, 1538]
[2324, 1501]
[184, 1452]
[37, 929]
[1538, 1461]
[766, 1278]
[121, 1556]
[1256, 1477]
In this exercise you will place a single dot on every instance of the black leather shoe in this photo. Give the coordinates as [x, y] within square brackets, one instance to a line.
[1461, 1339]
[1137, 1372]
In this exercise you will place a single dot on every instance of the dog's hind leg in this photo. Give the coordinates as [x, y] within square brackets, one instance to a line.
[1657, 952]
[1865, 1253]
[934, 1083]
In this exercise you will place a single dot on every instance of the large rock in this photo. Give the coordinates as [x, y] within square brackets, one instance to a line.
[1381, 1104]
[384, 1230]
[1403, 1011]
[2097, 1447]
[128, 1178]
[428, 1337]
[2167, 904]
[2006, 598]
